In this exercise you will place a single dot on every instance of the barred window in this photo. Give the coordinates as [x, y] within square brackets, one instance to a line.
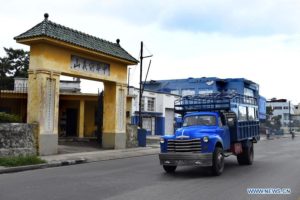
[151, 104]
[242, 113]
[143, 104]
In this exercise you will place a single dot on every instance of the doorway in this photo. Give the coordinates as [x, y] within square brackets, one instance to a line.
[71, 122]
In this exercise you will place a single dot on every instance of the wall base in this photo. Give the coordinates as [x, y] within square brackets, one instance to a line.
[48, 144]
[114, 140]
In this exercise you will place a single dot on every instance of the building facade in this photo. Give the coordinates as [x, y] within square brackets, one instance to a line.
[157, 111]
[192, 86]
[283, 108]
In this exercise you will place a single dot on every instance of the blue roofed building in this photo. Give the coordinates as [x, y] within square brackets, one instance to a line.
[194, 86]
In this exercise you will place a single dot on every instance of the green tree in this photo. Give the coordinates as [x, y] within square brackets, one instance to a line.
[276, 122]
[273, 122]
[269, 111]
[14, 64]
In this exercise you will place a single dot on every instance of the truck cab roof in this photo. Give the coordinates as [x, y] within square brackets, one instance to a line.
[202, 113]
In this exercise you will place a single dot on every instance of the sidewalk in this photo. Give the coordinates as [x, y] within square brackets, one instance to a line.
[102, 155]
[85, 157]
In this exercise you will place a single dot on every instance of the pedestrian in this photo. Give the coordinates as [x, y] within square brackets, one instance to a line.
[268, 133]
[293, 134]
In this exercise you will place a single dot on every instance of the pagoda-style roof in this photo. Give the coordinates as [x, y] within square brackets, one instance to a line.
[52, 30]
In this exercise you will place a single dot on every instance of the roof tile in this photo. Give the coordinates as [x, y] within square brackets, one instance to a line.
[56, 31]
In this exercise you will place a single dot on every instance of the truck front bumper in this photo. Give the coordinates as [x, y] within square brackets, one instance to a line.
[197, 159]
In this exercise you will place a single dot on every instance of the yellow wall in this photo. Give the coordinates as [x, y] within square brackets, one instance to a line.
[37, 98]
[128, 109]
[48, 56]
[17, 105]
[89, 116]
[109, 109]
[51, 58]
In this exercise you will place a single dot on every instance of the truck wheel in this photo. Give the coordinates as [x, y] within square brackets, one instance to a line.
[246, 158]
[170, 168]
[218, 161]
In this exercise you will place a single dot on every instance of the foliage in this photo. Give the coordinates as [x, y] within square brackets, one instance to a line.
[9, 118]
[20, 161]
[276, 122]
[269, 111]
[15, 63]
[272, 122]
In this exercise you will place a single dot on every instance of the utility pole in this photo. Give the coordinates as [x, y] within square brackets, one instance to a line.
[140, 94]
[141, 83]
[290, 117]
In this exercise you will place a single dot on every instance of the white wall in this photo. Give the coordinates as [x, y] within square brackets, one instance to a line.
[283, 112]
[162, 100]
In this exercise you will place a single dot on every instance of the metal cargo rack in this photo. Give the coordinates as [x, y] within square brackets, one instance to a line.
[211, 102]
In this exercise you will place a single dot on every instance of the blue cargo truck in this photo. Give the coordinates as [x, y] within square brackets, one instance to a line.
[214, 126]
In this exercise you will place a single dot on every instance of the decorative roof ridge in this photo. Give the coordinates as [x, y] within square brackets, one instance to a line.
[44, 23]
[80, 32]
[50, 29]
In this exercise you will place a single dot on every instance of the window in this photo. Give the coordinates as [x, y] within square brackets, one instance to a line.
[285, 107]
[186, 92]
[242, 113]
[175, 92]
[143, 104]
[151, 104]
[278, 108]
[200, 120]
[251, 114]
[248, 92]
[205, 91]
[220, 122]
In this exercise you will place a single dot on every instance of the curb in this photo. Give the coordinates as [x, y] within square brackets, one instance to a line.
[41, 166]
[81, 160]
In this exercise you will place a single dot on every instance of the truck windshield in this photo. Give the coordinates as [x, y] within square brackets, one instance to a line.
[200, 120]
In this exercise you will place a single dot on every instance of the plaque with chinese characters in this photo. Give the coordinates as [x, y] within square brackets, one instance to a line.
[86, 65]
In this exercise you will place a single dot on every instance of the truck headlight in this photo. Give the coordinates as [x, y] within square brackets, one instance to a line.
[162, 140]
[205, 139]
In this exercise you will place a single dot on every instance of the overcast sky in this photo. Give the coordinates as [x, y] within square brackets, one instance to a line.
[258, 39]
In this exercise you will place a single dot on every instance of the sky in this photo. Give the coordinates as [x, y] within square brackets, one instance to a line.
[258, 40]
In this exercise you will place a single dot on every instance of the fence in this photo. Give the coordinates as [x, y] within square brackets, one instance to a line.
[13, 96]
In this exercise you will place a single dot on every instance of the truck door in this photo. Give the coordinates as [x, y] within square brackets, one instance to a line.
[225, 132]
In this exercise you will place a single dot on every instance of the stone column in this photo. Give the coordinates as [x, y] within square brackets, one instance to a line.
[42, 107]
[81, 119]
[114, 116]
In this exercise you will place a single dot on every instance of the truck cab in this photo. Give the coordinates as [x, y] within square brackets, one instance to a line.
[210, 132]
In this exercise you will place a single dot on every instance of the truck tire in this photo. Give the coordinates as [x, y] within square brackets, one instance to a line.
[218, 161]
[246, 158]
[170, 168]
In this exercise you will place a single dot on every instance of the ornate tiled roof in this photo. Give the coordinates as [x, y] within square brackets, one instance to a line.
[56, 31]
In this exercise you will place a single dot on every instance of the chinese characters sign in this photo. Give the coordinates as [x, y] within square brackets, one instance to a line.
[82, 64]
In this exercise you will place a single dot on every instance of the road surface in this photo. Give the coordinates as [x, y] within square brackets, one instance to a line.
[276, 165]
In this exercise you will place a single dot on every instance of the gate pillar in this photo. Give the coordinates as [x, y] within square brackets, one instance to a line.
[42, 107]
[114, 115]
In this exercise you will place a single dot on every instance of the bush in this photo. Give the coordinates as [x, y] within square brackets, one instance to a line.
[20, 161]
[9, 118]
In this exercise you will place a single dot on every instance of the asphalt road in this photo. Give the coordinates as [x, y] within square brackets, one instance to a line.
[276, 165]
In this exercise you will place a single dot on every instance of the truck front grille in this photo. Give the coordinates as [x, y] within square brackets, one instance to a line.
[193, 145]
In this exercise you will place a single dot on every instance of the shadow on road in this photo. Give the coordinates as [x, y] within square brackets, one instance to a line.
[183, 172]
